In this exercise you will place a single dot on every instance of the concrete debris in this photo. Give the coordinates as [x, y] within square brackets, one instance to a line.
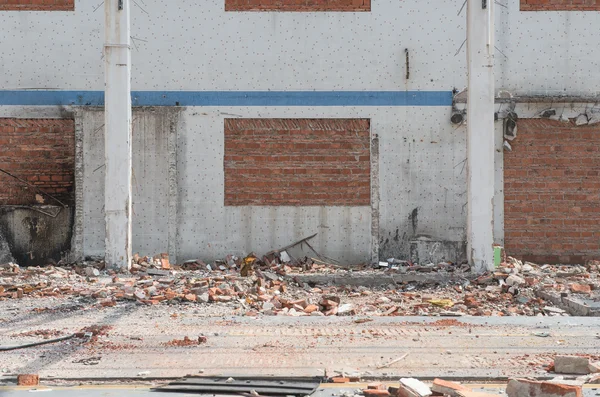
[411, 387]
[578, 365]
[270, 286]
[531, 388]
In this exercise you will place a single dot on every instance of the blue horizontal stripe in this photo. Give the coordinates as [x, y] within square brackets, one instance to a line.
[233, 98]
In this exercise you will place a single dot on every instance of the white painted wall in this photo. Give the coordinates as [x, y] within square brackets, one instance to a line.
[191, 45]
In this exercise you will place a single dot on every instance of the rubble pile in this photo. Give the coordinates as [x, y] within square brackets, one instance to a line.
[268, 286]
[411, 387]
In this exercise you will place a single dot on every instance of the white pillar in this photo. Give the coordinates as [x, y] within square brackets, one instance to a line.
[117, 132]
[480, 133]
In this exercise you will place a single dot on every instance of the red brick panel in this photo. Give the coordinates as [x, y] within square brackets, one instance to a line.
[560, 5]
[297, 5]
[552, 192]
[41, 152]
[37, 5]
[298, 162]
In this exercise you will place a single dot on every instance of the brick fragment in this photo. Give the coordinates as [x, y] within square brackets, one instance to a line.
[28, 380]
[581, 289]
[530, 388]
[447, 388]
[376, 393]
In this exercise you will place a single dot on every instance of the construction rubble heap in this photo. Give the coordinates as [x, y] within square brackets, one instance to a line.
[272, 285]
[411, 387]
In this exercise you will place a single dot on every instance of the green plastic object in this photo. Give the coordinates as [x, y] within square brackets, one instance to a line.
[497, 256]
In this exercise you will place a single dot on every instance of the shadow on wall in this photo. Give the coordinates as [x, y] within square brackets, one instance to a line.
[35, 235]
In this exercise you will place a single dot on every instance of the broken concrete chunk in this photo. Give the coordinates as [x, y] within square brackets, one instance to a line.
[202, 298]
[582, 119]
[347, 309]
[514, 280]
[92, 272]
[571, 365]
[531, 388]
[551, 309]
[284, 257]
[411, 387]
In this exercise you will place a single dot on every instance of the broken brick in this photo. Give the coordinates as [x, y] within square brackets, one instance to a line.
[447, 388]
[28, 380]
[531, 388]
[581, 289]
[340, 379]
[375, 393]
[190, 297]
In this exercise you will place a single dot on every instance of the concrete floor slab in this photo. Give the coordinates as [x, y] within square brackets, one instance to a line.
[469, 347]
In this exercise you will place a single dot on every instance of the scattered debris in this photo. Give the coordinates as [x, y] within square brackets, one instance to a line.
[186, 341]
[268, 285]
[88, 361]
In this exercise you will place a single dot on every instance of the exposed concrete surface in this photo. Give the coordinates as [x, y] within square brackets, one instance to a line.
[424, 250]
[470, 347]
[152, 130]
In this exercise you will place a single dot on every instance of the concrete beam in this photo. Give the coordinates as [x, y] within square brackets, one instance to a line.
[118, 155]
[480, 133]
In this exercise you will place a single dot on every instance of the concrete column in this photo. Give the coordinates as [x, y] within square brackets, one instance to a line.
[480, 133]
[118, 136]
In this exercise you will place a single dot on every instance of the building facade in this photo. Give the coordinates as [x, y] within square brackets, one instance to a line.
[257, 123]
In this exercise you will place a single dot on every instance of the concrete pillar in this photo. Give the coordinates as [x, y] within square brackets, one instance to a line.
[118, 138]
[480, 133]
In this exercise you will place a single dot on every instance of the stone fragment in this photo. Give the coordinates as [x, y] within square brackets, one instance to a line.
[347, 309]
[376, 386]
[411, 387]
[203, 298]
[91, 272]
[514, 280]
[571, 365]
